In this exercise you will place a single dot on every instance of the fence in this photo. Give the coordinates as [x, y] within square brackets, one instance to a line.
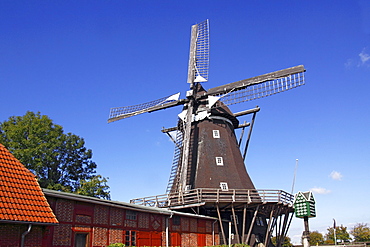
[204, 195]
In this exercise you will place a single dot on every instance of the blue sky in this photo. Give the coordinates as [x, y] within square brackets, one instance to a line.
[74, 60]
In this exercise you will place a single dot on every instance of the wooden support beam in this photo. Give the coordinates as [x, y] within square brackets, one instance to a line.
[235, 225]
[282, 231]
[287, 226]
[221, 226]
[242, 133]
[244, 219]
[254, 110]
[267, 235]
[252, 224]
[249, 134]
[168, 130]
[278, 231]
[277, 218]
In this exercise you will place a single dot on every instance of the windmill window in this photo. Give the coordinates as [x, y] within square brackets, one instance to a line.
[224, 186]
[219, 161]
[216, 134]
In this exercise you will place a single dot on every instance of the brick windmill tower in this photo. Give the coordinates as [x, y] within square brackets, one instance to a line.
[208, 174]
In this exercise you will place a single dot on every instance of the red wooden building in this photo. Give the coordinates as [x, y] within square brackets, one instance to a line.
[33, 217]
[86, 221]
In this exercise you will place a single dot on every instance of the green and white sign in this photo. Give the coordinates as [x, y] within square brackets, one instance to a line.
[304, 205]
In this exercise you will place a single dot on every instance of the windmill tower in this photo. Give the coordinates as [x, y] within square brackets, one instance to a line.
[208, 175]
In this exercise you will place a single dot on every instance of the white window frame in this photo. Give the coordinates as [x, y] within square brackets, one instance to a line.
[216, 133]
[224, 186]
[219, 161]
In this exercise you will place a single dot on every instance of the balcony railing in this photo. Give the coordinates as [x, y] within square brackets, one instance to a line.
[201, 196]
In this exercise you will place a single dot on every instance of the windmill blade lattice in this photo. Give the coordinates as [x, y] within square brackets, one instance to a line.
[118, 113]
[260, 86]
[264, 89]
[202, 57]
[199, 53]
[175, 168]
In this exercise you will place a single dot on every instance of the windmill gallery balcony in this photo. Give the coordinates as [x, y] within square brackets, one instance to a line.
[202, 196]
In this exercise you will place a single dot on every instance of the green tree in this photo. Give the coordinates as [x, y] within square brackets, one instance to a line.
[96, 186]
[341, 234]
[286, 242]
[60, 161]
[361, 232]
[316, 238]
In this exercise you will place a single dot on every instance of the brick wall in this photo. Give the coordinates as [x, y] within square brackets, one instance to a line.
[106, 225]
[11, 235]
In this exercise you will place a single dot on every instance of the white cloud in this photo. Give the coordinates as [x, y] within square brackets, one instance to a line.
[363, 60]
[336, 175]
[318, 190]
[364, 57]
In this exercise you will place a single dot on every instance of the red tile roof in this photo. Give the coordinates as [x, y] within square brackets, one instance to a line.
[21, 198]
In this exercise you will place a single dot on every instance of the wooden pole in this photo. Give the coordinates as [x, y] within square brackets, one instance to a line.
[306, 233]
[252, 224]
[244, 219]
[235, 225]
[267, 235]
[221, 226]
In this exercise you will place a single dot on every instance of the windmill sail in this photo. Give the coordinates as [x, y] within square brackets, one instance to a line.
[197, 72]
[260, 86]
[118, 113]
[199, 53]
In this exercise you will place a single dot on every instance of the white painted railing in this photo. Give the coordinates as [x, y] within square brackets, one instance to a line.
[197, 196]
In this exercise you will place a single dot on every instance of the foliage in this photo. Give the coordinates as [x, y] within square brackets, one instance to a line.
[96, 186]
[341, 234]
[316, 238]
[117, 245]
[60, 161]
[361, 232]
[234, 245]
[286, 242]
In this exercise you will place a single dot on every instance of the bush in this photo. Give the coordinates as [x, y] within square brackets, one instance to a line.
[116, 245]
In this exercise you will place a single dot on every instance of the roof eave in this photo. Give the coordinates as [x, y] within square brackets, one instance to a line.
[28, 222]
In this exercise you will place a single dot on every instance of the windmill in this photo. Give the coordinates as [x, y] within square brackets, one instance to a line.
[207, 159]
